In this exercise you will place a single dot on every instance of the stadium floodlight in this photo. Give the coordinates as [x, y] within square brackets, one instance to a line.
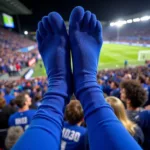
[124, 22]
[112, 24]
[129, 21]
[26, 32]
[145, 18]
[136, 20]
[120, 23]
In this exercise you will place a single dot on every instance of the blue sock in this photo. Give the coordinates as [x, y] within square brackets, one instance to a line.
[45, 129]
[86, 41]
[54, 48]
[85, 33]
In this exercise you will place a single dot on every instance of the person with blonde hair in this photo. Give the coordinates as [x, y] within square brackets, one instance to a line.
[13, 135]
[120, 112]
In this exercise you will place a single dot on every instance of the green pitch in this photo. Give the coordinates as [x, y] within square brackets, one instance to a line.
[112, 56]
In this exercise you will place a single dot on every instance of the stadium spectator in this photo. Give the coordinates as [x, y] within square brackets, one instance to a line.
[14, 133]
[2, 94]
[143, 121]
[74, 136]
[147, 107]
[3, 123]
[11, 108]
[3, 116]
[120, 112]
[8, 96]
[147, 104]
[148, 80]
[24, 115]
[127, 76]
[115, 89]
[36, 101]
[134, 97]
[142, 81]
[5, 112]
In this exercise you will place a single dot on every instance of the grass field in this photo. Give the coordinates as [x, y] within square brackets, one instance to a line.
[112, 56]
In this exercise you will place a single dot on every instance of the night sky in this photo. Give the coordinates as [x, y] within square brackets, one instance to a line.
[106, 10]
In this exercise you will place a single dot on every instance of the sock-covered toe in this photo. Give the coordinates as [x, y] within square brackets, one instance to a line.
[57, 23]
[46, 24]
[86, 20]
[86, 42]
[76, 16]
[41, 30]
[93, 22]
[98, 27]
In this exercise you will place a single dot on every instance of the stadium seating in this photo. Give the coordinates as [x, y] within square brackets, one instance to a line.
[10, 58]
[13, 40]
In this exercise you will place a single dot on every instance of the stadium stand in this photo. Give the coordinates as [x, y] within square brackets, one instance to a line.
[11, 59]
[130, 33]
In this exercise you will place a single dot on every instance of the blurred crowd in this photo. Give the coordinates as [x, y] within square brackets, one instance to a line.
[17, 98]
[126, 90]
[109, 80]
[11, 60]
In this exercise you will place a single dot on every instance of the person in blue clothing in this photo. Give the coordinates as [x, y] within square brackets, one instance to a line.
[148, 80]
[115, 89]
[143, 121]
[142, 80]
[85, 41]
[148, 84]
[24, 115]
[8, 97]
[74, 136]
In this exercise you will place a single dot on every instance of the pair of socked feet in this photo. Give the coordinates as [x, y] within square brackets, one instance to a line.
[84, 40]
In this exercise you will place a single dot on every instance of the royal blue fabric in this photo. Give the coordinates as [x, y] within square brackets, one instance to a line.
[22, 119]
[74, 137]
